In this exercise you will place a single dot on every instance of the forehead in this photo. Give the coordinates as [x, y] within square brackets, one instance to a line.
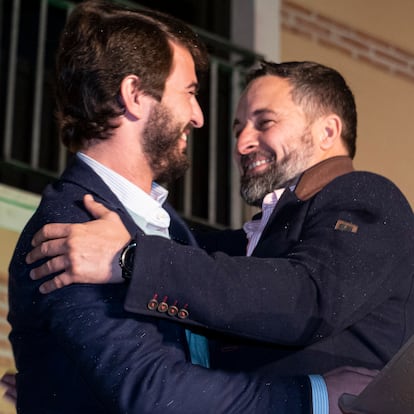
[183, 71]
[266, 92]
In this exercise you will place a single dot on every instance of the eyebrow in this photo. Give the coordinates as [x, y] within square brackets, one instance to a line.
[194, 85]
[255, 113]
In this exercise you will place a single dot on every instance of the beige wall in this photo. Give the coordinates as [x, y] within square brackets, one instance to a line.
[392, 21]
[385, 101]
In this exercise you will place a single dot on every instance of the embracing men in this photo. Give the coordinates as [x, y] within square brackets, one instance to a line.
[328, 282]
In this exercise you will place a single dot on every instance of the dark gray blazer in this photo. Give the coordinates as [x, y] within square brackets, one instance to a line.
[330, 283]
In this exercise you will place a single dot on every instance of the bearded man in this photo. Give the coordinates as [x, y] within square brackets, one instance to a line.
[327, 280]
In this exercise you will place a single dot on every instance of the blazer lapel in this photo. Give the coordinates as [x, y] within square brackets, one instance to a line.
[179, 230]
[82, 175]
[280, 223]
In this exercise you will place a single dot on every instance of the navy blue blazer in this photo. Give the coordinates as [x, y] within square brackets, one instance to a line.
[330, 283]
[78, 351]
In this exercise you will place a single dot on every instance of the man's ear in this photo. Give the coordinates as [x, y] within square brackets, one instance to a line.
[131, 96]
[329, 131]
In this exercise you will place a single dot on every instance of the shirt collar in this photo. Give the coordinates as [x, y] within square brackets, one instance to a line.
[146, 207]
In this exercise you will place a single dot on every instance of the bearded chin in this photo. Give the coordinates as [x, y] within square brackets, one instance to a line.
[173, 168]
[254, 188]
[160, 144]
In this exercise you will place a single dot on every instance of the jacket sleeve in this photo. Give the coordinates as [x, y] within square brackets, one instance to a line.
[137, 366]
[325, 280]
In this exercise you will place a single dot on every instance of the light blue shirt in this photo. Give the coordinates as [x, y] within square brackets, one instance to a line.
[320, 400]
[148, 213]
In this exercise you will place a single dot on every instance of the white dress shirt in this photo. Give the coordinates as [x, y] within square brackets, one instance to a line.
[145, 209]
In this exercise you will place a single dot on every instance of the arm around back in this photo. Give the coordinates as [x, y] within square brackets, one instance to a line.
[311, 276]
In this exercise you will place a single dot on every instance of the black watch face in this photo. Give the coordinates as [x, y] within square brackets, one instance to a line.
[126, 261]
[129, 259]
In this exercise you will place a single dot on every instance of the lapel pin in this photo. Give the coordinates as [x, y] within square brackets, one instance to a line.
[342, 225]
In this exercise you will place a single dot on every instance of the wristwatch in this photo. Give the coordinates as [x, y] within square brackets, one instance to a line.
[126, 260]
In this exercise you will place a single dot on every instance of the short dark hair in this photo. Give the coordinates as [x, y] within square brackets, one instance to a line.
[318, 89]
[101, 44]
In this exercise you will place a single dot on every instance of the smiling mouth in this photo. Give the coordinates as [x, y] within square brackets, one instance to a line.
[249, 167]
[184, 137]
[258, 163]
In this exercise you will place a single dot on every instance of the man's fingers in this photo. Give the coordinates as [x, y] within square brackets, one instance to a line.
[51, 248]
[11, 396]
[365, 371]
[74, 251]
[359, 370]
[8, 379]
[51, 231]
[56, 283]
[97, 210]
[55, 265]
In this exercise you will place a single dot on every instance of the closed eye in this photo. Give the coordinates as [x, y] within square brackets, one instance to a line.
[264, 124]
[193, 88]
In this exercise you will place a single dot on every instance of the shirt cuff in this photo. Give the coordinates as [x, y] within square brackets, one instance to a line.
[320, 400]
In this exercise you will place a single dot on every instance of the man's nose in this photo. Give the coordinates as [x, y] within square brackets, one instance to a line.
[246, 141]
[197, 117]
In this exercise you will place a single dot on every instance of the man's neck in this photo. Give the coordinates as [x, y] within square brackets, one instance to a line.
[135, 170]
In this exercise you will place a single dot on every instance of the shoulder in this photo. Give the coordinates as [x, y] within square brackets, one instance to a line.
[62, 202]
[367, 180]
[365, 199]
[364, 187]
